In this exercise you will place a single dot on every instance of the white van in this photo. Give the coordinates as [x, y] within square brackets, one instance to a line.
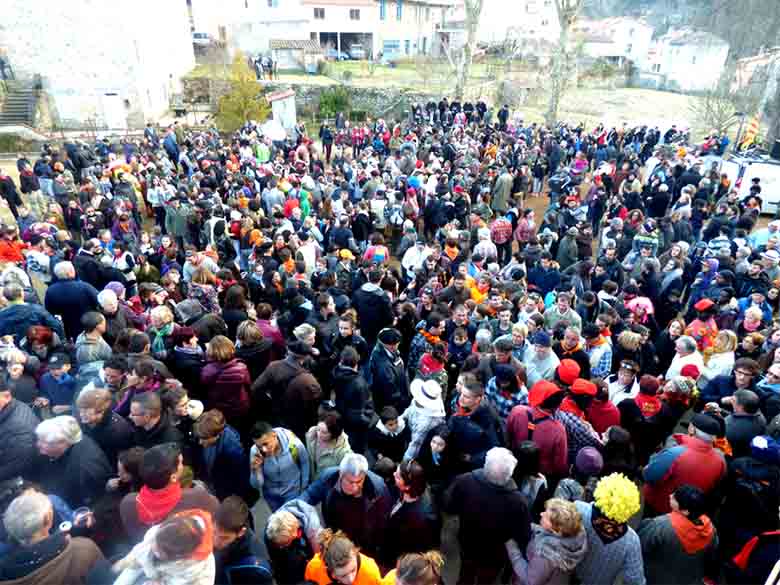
[741, 170]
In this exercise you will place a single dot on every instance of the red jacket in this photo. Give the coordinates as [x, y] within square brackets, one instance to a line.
[603, 415]
[693, 461]
[549, 435]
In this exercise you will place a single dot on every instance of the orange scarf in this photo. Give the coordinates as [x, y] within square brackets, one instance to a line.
[432, 339]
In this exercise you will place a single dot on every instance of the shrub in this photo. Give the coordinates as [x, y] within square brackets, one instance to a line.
[333, 100]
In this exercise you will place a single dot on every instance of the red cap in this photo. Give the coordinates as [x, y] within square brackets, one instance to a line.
[568, 371]
[541, 391]
[690, 370]
[703, 305]
[583, 387]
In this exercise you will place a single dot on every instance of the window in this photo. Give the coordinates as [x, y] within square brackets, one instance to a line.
[693, 60]
[399, 10]
[273, 3]
[354, 14]
[657, 67]
[319, 13]
[545, 22]
[382, 9]
[407, 46]
[629, 46]
[427, 13]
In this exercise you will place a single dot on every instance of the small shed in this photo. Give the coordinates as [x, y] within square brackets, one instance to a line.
[283, 108]
[296, 55]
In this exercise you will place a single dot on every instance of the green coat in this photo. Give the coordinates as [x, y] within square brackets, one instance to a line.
[323, 457]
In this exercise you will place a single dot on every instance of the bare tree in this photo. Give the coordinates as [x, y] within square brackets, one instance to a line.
[473, 13]
[561, 72]
[718, 108]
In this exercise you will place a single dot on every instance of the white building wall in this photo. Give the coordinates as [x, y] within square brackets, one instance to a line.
[522, 19]
[135, 57]
[691, 67]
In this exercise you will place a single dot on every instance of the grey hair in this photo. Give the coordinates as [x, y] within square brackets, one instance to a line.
[107, 296]
[26, 516]
[499, 465]
[64, 270]
[483, 339]
[59, 428]
[353, 464]
[688, 341]
[303, 330]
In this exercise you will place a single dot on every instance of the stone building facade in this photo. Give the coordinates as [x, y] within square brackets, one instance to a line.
[104, 64]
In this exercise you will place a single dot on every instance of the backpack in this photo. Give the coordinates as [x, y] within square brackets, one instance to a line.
[291, 438]
[394, 215]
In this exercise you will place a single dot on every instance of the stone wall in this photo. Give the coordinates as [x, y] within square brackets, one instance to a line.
[374, 102]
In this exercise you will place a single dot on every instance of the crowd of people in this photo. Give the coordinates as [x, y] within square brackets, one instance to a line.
[374, 333]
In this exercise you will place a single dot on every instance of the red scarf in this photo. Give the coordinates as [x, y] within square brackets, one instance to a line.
[153, 506]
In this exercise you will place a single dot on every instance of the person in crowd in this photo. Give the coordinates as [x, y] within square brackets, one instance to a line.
[18, 316]
[354, 500]
[161, 495]
[279, 464]
[17, 425]
[327, 443]
[390, 437]
[227, 381]
[491, 512]
[681, 546]
[613, 546]
[474, 426]
[223, 459]
[110, 431]
[238, 553]
[72, 466]
[558, 543]
[40, 553]
[340, 561]
[70, 299]
[292, 537]
[152, 425]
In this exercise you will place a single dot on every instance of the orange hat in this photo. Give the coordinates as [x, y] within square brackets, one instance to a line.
[583, 387]
[568, 371]
[541, 391]
[703, 305]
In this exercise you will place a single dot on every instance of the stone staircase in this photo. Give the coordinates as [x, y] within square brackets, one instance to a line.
[19, 106]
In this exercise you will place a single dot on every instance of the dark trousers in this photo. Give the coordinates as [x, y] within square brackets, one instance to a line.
[479, 571]
[504, 253]
[328, 149]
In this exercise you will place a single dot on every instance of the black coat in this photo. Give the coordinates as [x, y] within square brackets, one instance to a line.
[113, 434]
[17, 449]
[79, 477]
[381, 442]
[256, 357]
[387, 377]
[374, 310]
[71, 299]
[162, 432]
[88, 269]
[414, 528]
[186, 367]
[476, 434]
[489, 516]
[353, 401]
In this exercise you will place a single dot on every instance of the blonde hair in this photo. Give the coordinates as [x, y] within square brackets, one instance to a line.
[564, 516]
[220, 349]
[282, 527]
[203, 275]
[630, 340]
[754, 312]
[725, 341]
[162, 313]
[520, 328]
[249, 332]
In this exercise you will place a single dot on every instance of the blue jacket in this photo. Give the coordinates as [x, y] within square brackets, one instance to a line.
[476, 434]
[544, 280]
[17, 319]
[227, 466]
[720, 387]
[364, 518]
[284, 476]
[765, 309]
[59, 392]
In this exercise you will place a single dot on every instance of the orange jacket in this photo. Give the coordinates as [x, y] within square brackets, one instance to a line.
[368, 573]
[11, 251]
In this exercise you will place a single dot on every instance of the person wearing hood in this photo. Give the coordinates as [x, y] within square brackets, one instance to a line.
[236, 546]
[558, 543]
[680, 547]
[178, 551]
[386, 373]
[292, 539]
[373, 307]
[491, 512]
[353, 398]
[280, 465]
